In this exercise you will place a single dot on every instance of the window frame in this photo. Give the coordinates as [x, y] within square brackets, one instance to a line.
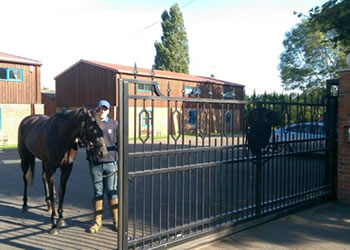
[194, 90]
[229, 91]
[8, 75]
[144, 88]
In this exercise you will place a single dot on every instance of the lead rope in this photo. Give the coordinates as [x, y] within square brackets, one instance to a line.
[110, 174]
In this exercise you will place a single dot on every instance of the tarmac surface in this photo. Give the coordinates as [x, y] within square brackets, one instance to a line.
[326, 226]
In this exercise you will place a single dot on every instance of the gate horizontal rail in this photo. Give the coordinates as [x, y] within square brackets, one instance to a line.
[185, 99]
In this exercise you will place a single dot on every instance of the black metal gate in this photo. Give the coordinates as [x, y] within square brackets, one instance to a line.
[192, 166]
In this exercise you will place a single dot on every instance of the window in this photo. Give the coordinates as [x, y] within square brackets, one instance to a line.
[228, 118]
[8, 74]
[146, 118]
[192, 117]
[193, 91]
[229, 94]
[3, 74]
[143, 87]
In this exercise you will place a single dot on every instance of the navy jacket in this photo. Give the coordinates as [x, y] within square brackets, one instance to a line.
[110, 135]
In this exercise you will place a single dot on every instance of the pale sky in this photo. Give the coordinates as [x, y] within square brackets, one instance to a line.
[236, 40]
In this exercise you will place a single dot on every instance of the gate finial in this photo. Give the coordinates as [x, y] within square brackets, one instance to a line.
[152, 72]
[135, 71]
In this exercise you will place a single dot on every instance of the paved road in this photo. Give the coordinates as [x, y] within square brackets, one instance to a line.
[30, 230]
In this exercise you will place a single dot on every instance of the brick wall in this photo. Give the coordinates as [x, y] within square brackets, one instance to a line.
[343, 144]
[12, 115]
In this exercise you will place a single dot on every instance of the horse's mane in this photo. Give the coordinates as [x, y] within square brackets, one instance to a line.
[70, 114]
[73, 114]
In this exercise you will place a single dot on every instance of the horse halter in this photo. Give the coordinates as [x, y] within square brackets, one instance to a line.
[85, 139]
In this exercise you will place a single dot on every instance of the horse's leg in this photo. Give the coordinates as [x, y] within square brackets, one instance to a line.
[65, 173]
[51, 183]
[25, 196]
[46, 188]
[27, 165]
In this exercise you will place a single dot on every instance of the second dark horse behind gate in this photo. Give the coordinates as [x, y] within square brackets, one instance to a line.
[53, 141]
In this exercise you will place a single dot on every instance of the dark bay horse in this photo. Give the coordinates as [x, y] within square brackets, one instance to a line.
[54, 141]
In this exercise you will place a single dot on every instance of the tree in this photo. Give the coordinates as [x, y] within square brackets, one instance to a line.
[309, 58]
[287, 107]
[334, 16]
[172, 52]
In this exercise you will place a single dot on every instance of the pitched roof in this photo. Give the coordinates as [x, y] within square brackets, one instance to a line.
[147, 72]
[225, 82]
[4, 57]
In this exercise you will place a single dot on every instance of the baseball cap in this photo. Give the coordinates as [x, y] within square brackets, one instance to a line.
[104, 103]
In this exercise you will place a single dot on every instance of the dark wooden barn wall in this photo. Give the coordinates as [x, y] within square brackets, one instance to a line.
[50, 104]
[85, 85]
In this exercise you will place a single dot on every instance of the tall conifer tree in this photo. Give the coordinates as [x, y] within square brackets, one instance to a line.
[172, 52]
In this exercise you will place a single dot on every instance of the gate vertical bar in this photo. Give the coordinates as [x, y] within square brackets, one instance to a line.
[258, 189]
[331, 134]
[123, 97]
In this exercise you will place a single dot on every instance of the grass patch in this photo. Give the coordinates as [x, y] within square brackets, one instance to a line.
[11, 146]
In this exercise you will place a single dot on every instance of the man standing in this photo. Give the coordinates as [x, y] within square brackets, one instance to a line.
[104, 170]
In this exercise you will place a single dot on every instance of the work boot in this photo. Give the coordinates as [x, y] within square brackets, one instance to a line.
[98, 210]
[113, 206]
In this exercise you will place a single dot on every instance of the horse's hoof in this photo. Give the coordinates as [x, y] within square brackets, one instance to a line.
[61, 223]
[24, 208]
[54, 231]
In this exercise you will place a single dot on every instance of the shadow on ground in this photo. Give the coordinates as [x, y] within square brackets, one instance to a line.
[325, 226]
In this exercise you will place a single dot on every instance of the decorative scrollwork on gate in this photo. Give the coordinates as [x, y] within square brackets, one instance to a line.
[175, 126]
[144, 115]
[203, 124]
[227, 123]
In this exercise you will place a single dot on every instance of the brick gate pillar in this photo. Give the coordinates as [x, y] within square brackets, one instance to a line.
[344, 136]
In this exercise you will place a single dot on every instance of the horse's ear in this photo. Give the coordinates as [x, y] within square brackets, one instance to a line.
[98, 109]
[85, 110]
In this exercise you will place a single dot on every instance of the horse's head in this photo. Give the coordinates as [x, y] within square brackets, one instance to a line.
[92, 133]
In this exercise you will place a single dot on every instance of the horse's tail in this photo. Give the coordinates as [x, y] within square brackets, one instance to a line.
[27, 158]
[29, 175]
[27, 165]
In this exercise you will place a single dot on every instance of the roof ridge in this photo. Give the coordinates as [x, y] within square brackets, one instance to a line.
[14, 58]
[118, 68]
[162, 73]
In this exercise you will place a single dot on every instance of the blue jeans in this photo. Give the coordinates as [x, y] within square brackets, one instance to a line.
[103, 185]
